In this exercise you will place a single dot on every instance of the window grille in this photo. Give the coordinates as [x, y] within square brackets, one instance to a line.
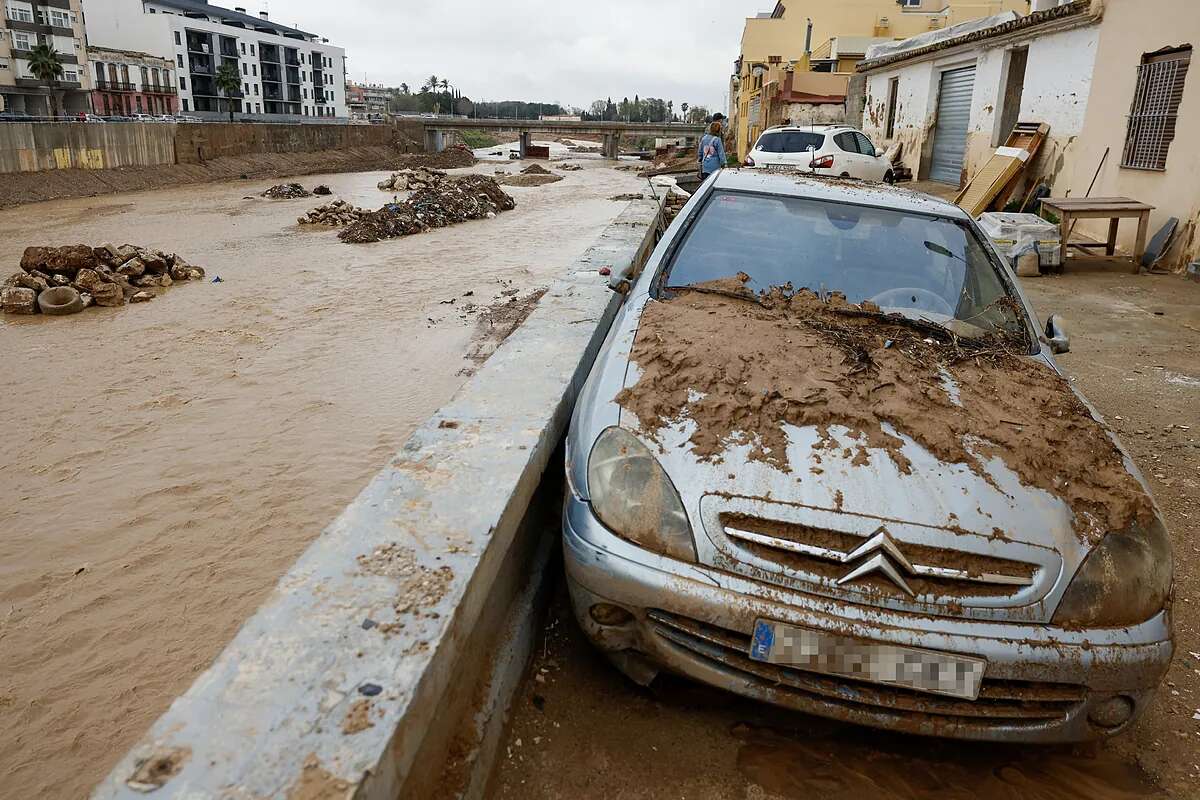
[1155, 109]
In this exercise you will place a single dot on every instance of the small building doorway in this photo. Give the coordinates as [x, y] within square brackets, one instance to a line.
[953, 121]
[1010, 98]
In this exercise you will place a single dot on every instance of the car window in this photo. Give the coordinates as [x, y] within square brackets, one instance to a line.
[770, 143]
[846, 142]
[919, 265]
[790, 141]
[864, 144]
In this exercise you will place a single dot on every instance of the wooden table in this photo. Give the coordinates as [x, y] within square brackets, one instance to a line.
[1114, 209]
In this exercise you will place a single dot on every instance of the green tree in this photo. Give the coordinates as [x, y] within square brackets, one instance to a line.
[228, 83]
[404, 88]
[46, 65]
[431, 84]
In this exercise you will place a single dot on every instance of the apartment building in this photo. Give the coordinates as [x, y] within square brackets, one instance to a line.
[782, 48]
[285, 72]
[367, 99]
[128, 82]
[27, 24]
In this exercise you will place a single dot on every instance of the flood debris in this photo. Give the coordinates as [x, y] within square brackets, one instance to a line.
[412, 179]
[154, 771]
[337, 214]
[322, 189]
[450, 158]
[627, 196]
[536, 179]
[453, 201]
[712, 355]
[570, 167]
[535, 169]
[286, 191]
[65, 280]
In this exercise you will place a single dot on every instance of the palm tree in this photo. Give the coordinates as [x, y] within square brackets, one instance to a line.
[683, 107]
[404, 88]
[228, 82]
[46, 65]
[431, 84]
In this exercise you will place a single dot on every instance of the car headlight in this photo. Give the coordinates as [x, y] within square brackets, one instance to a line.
[632, 495]
[1124, 581]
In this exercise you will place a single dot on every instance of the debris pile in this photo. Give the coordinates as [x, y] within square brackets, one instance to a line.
[286, 191]
[337, 214]
[450, 158]
[536, 179]
[626, 197]
[322, 190]
[535, 169]
[711, 356]
[674, 204]
[65, 280]
[570, 167]
[411, 179]
[452, 201]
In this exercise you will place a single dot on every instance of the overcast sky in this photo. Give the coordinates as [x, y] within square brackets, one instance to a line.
[566, 51]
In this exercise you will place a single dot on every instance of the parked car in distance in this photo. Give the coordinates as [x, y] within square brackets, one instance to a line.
[83, 116]
[167, 118]
[728, 518]
[184, 118]
[15, 116]
[823, 150]
[145, 118]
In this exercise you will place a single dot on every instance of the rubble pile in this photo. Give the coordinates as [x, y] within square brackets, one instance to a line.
[628, 196]
[411, 179]
[536, 179]
[450, 158]
[107, 275]
[535, 169]
[452, 201]
[674, 204]
[337, 214]
[322, 190]
[286, 191]
[570, 167]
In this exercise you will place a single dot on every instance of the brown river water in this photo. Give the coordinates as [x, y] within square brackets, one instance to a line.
[162, 464]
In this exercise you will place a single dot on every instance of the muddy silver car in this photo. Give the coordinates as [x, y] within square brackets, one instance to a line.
[896, 590]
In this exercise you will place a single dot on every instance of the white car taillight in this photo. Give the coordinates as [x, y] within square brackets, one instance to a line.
[749, 162]
[824, 162]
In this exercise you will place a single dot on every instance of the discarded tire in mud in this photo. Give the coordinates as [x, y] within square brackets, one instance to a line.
[60, 301]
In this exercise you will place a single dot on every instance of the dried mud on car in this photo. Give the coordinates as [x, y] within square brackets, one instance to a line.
[741, 366]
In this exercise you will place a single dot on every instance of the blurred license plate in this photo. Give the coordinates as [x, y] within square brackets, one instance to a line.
[815, 651]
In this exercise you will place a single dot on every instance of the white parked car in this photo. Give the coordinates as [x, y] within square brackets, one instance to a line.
[144, 118]
[821, 149]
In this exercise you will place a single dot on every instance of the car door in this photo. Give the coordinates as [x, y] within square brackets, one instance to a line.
[849, 161]
[874, 167]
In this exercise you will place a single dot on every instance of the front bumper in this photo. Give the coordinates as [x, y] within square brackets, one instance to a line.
[1042, 684]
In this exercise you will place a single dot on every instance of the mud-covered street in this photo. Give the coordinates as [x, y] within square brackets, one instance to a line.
[164, 463]
[581, 729]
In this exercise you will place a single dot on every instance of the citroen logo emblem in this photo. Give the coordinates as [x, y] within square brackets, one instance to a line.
[882, 556]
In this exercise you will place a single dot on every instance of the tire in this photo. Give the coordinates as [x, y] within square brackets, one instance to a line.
[844, 175]
[889, 178]
[60, 301]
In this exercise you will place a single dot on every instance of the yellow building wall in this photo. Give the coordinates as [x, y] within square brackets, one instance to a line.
[784, 37]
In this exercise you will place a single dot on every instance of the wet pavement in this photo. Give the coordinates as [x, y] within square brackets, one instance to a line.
[163, 464]
[579, 728]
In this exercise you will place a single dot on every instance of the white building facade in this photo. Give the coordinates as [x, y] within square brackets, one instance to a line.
[285, 73]
[26, 24]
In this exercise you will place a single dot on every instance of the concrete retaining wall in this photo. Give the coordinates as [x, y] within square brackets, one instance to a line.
[32, 147]
[29, 147]
[383, 663]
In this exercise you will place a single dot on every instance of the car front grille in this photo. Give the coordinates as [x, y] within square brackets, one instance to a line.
[937, 574]
[999, 701]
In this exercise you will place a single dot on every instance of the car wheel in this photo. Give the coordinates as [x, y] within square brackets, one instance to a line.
[844, 175]
[889, 177]
[60, 301]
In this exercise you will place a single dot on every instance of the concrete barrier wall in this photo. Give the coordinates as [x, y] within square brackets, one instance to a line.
[384, 662]
[198, 142]
[30, 147]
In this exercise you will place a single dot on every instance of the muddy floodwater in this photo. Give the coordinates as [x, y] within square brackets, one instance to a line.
[163, 464]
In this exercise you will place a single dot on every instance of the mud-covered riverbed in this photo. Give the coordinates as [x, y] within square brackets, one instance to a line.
[163, 464]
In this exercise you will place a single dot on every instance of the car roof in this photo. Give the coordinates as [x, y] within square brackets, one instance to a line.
[810, 128]
[837, 190]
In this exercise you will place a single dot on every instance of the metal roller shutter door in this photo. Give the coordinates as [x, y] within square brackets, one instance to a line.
[953, 119]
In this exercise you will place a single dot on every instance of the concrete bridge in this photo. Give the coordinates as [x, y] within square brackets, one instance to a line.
[435, 128]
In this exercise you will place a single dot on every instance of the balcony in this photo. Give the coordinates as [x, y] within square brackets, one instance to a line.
[34, 83]
[201, 65]
[158, 89]
[268, 54]
[105, 85]
[270, 73]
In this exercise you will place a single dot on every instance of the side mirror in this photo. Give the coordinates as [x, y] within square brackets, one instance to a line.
[621, 280]
[1057, 336]
[879, 153]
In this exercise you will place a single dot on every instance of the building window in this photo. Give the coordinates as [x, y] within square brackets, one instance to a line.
[3, 64]
[59, 19]
[256, 88]
[258, 108]
[251, 49]
[185, 104]
[182, 82]
[909, 3]
[19, 14]
[247, 88]
[245, 68]
[254, 70]
[1155, 108]
[243, 48]
[179, 59]
[893, 98]
[178, 42]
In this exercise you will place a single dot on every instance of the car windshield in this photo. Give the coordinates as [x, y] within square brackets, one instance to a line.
[922, 266]
[790, 141]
